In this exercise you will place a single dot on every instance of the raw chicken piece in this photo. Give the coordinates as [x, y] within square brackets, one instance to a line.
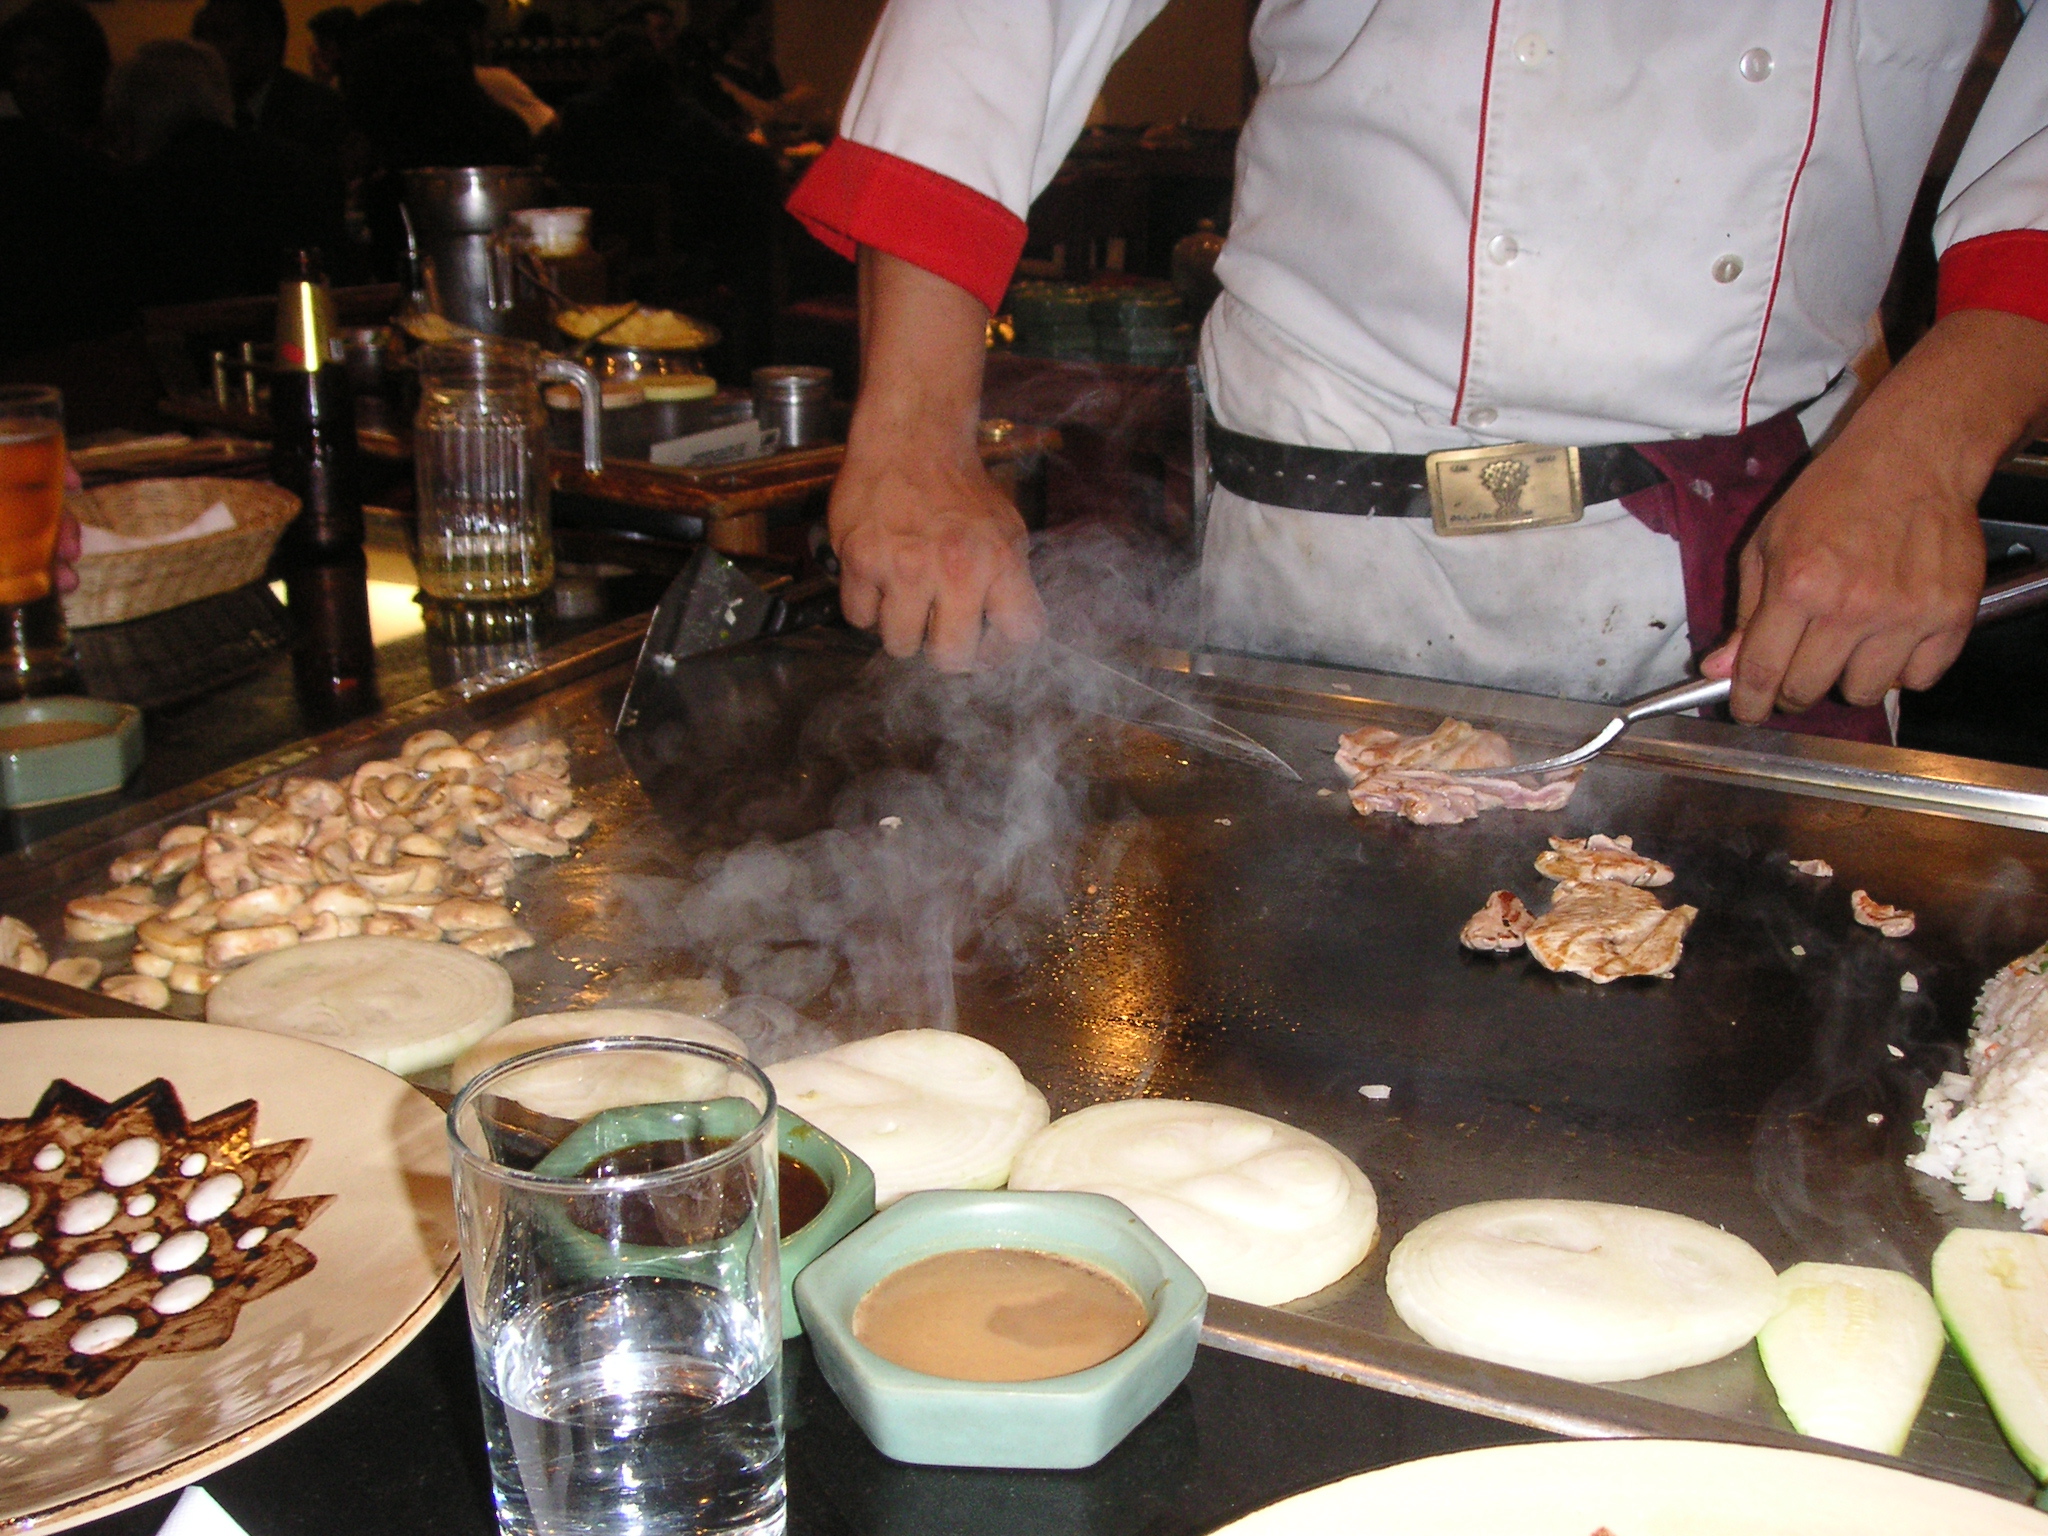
[1601, 930]
[1892, 922]
[1820, 869]
[1406, 775]
[1601, 857]
[1499, 926]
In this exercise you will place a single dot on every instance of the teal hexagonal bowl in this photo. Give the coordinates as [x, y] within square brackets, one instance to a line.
[68, 770]
[1060, 1422]
[849, 1187]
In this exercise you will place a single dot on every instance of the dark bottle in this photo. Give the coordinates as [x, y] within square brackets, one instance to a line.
[334, 656]
[313, 419]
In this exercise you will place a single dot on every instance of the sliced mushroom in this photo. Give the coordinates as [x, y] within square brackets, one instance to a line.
[150, 963]
[419, 845]
[188, 906]
[496, 943]
[571, 826]
[420, 743]
[335, 859]
[175, 861]
[429, 876]
[174, 941]
[225, 863]
[478, 741]
[194, 883]
[524, 835]
[79, 971]
[179, 836]
[284, 829]
[344, 898]
[314, 799]
[383, 850]
[401, 925]
[132, 866]
[328, 925]
[538, 795]
[267, 904]
[461, 915]
[511, 756]
[380, 881]
[450, 760]
[231, 946]
[277, 865]
[19, 944]
[192, 980]
[137, 991]
[115, 910]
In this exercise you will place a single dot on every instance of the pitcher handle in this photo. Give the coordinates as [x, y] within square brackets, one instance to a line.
[560, 370]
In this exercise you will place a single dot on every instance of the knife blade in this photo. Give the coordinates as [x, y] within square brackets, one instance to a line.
[1138, 703]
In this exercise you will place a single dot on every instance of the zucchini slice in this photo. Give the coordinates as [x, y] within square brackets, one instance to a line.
[1851, 1351]
[1992, 1288]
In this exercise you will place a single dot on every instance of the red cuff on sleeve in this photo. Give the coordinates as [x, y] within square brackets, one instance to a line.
[2006, 271]
[855, 195]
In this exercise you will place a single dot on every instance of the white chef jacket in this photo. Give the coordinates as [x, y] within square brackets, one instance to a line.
[1478, 221]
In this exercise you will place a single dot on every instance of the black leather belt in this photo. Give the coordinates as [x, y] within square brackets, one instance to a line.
[1382, 484]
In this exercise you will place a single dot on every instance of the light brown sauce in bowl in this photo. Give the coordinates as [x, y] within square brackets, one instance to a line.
[999, 1314]
[28, 734]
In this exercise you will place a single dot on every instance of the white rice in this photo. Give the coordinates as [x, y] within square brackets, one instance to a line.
[1987, 1132]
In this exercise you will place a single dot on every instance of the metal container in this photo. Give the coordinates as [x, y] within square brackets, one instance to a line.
[459, 218]
[797, 401]
[625, 363]
[373, 356]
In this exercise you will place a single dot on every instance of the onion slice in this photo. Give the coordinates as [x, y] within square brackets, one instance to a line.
[578, 1088]
[1578, 1289]
[923, 1108]
[1261, 1211]
[405, 1006]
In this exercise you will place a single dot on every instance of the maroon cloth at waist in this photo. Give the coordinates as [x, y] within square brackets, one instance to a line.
[1715, 491]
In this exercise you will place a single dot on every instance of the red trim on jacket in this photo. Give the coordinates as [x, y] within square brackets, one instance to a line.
[2007, 271]
[1472, 240]
[855, 195]
[1820, 60]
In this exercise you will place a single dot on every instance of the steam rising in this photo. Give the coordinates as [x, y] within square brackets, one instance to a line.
[937, 823]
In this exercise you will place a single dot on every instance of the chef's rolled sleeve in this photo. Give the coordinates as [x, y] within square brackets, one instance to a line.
[961, 114]
[1992, 231]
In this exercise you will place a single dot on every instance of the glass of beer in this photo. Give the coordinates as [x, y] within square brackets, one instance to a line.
[35, 649]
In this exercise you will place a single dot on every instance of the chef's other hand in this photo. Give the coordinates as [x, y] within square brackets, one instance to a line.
[932, 555]
[1867, 571]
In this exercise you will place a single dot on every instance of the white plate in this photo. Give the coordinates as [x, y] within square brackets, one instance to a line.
[385, 1245]
[1639, 1488]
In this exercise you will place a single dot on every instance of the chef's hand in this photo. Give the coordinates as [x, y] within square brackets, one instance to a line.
[1867, 570]
[931, 553]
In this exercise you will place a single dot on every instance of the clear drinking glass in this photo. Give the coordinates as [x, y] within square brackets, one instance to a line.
[481, 458]
[617, 1208]
[35, 647]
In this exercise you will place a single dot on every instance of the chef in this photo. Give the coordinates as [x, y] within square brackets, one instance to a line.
[1528, 310]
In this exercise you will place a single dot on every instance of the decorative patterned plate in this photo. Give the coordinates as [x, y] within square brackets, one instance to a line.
[384, 1247]
[1639, 1488]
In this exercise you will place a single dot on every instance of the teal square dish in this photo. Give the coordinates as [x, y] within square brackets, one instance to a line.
[68, 770]
[849, 1186]
[1059, 1422]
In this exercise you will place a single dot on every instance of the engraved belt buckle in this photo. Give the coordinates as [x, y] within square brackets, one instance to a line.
[1517, 485]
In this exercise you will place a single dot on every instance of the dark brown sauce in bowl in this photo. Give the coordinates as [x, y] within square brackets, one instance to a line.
[25, 735]
[668, 1219]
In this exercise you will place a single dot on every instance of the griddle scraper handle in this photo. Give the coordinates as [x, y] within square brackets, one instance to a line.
[2001, 600]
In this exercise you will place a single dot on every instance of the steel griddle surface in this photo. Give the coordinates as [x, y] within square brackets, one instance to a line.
[1224, 935]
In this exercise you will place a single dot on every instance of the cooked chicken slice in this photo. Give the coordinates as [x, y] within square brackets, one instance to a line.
[1892, 922]
[1820, 869]
[1601, 857]
[1407, 775]
[1601, 930]
[1499, 926]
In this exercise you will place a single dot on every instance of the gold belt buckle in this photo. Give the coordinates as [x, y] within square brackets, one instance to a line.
[1516, 485]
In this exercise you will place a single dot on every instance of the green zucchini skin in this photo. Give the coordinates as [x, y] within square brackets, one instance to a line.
[1992, 1291]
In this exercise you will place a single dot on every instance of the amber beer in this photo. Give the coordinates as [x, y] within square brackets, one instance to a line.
[31, 490]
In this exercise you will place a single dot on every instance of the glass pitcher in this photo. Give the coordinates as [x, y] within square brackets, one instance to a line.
[480, 456]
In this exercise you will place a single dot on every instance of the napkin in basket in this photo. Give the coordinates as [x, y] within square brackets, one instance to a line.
[95, 540]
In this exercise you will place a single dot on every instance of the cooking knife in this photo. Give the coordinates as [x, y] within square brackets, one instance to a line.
[2013, 595]
[1138, 703]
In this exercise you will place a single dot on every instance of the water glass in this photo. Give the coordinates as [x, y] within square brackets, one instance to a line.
[35, 647]
[616, 1201]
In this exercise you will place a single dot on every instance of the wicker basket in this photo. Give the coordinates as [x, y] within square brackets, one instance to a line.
[132, 582]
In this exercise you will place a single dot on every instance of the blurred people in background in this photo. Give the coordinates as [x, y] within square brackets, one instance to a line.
[216, 206]
[724, 59]
[414, 98]
[332, 30]
[463, 22]
[65, 241]
[280, 103]
[638, 126]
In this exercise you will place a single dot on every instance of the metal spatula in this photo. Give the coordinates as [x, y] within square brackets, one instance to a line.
[2001, 599]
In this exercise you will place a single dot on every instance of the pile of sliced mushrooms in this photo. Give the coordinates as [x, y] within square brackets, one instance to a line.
[420, 846]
